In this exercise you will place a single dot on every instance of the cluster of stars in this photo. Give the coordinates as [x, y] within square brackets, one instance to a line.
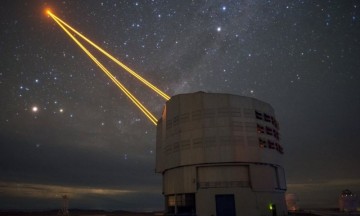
[35, 109]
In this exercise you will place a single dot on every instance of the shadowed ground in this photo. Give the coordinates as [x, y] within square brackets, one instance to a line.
[78, 213]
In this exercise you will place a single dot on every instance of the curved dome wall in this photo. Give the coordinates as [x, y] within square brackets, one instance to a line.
[210, 143]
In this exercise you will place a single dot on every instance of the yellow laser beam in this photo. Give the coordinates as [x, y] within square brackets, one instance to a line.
[154, 88]
[147, 113]
[48, 11]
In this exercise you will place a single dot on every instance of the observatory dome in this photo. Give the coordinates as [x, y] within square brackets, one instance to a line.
[347, 201]
[220, 154]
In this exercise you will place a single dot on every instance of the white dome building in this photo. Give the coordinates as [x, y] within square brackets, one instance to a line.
[347, 201]
[220, 154]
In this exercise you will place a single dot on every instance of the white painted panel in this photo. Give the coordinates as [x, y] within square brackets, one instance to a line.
[223, 173]
[263, 177]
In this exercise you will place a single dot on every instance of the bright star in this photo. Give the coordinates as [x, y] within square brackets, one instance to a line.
[218, 29]
[35, 109]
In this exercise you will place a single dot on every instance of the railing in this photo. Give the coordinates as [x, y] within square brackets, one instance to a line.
[224, 184]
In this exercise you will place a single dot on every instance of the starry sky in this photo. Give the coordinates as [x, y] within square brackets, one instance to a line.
[65, 128]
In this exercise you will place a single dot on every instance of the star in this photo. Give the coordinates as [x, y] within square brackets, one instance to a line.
[35, 109]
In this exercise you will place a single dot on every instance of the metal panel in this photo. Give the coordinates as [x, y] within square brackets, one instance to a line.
[263, 177]
[223, 176]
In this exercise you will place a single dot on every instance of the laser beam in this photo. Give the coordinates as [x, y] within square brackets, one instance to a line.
[147, 113]
[151, 86]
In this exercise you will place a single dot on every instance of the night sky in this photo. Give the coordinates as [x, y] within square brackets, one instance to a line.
[65, 128]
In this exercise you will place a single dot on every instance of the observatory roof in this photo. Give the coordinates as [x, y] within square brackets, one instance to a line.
[346, 192]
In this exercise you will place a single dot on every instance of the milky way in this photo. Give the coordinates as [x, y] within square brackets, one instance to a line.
[64, 126]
